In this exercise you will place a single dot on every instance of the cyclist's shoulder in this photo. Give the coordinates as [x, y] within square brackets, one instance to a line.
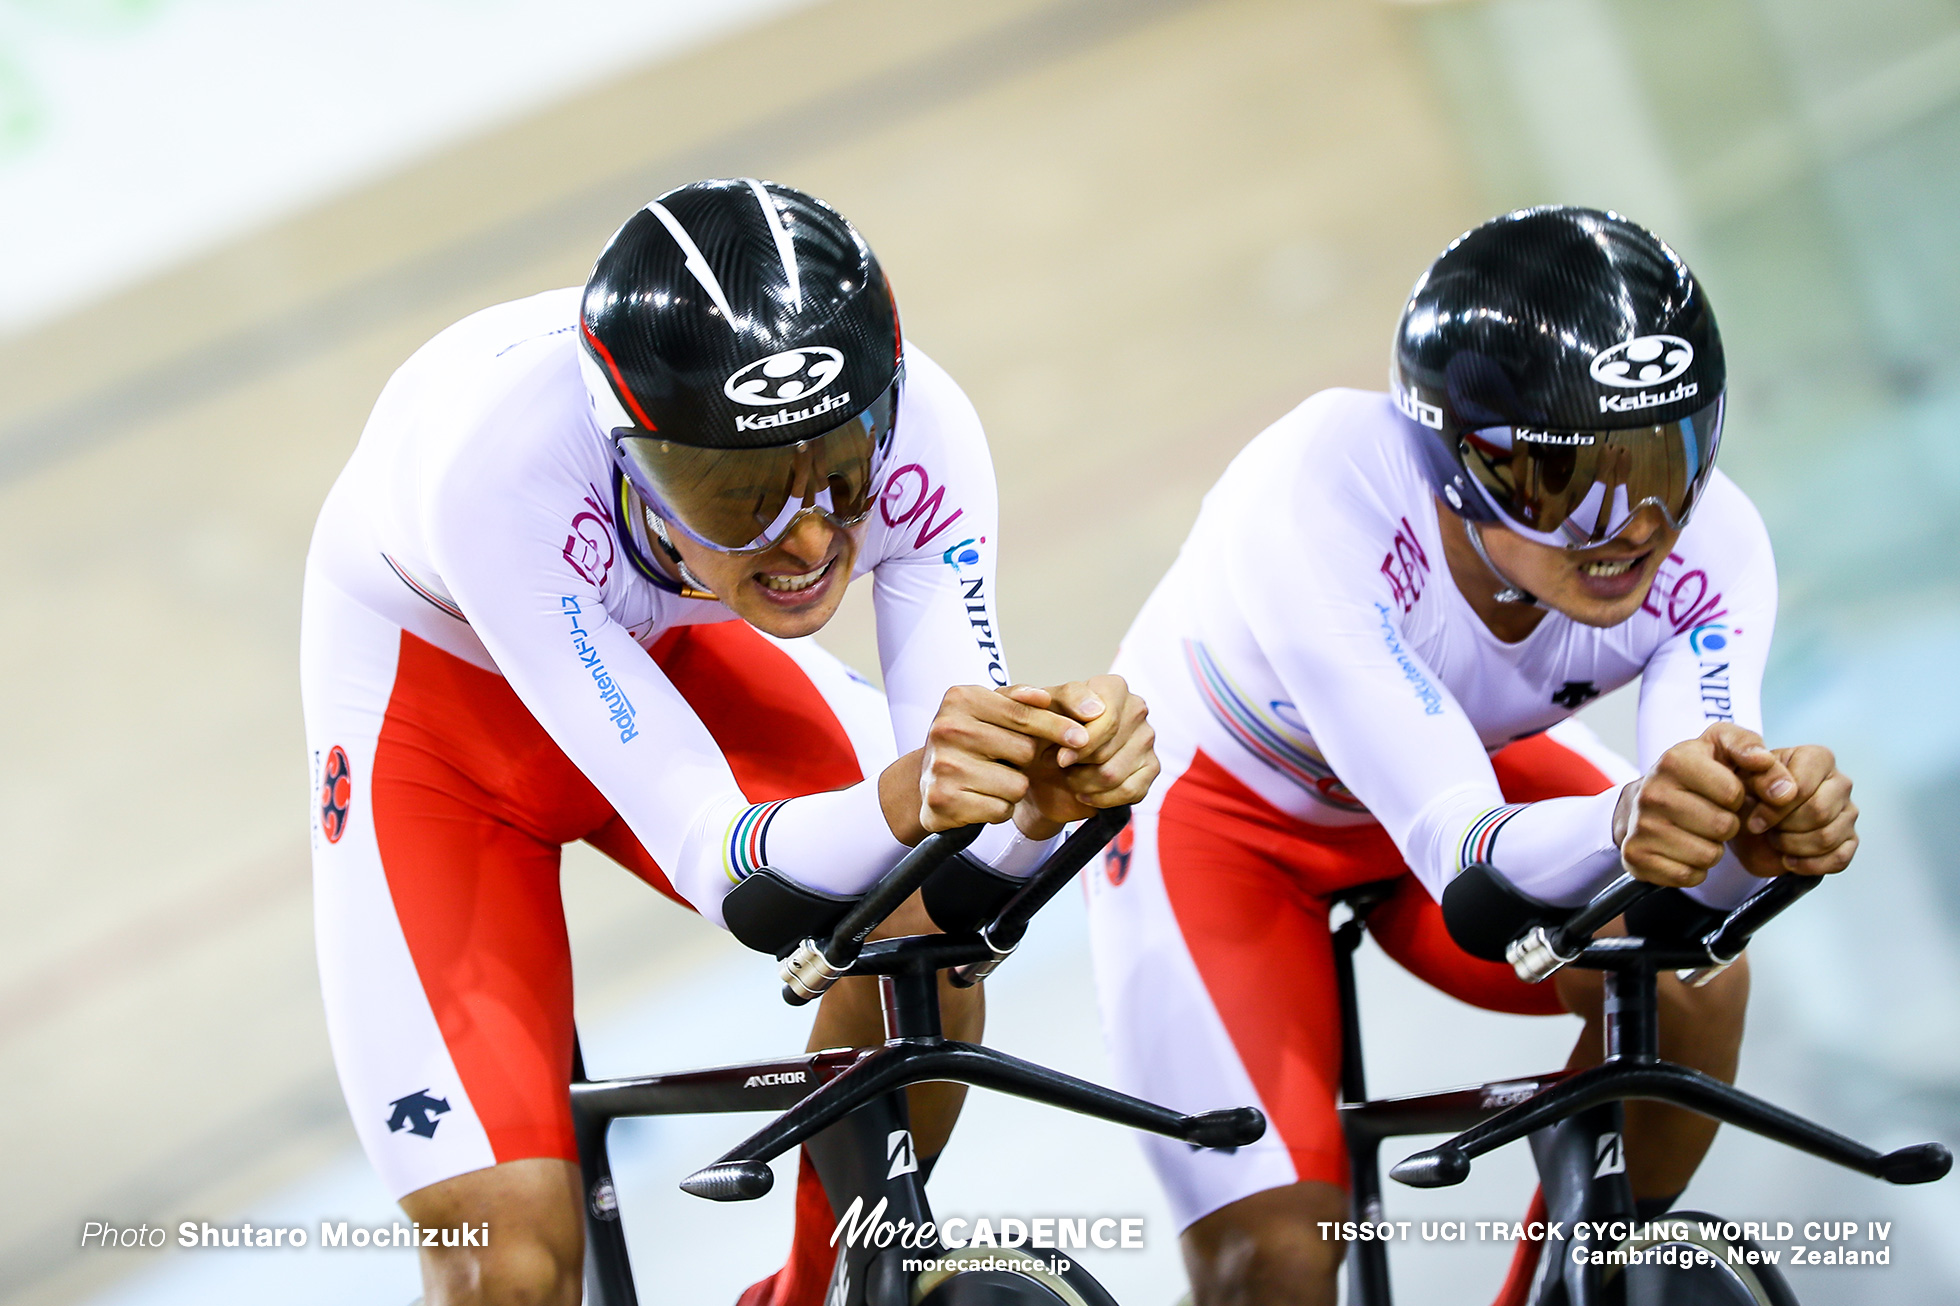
[1332, 435]
[933, 409]
[1337, 461]
[1725, 505]
[939, 471]
[509, 339]
[1727, 532]
[496, 396]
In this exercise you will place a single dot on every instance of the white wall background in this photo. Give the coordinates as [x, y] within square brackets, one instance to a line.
[134, 133]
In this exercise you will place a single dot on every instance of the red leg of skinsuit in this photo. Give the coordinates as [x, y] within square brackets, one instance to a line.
[472, 802]
[1249, 888]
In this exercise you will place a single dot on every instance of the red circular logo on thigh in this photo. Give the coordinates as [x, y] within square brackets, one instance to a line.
[1116, 862]
[336, 791]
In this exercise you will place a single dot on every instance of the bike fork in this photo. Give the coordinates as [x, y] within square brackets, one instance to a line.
[871, 1176]
[1582, 1167]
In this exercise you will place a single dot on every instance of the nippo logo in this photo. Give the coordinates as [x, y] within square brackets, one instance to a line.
[1643, 361]
[1709, 637]
[782, 377]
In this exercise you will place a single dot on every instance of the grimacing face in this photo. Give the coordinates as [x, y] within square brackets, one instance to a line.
[1600, 586]
[789, 591]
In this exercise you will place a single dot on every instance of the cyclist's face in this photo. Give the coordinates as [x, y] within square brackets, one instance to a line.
[791, 590]
[1600, 586]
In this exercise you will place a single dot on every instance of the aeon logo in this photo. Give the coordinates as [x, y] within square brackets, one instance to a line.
[782, 377]
[1643, 361]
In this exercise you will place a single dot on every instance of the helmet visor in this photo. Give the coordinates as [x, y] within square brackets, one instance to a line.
[1576, 489]
[745, 500]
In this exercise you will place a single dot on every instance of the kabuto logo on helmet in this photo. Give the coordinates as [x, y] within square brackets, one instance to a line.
[782, 377]
[1416, 410]
[1643, 361]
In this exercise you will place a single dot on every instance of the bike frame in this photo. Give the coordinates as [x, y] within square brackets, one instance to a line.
[1575, 1110]
[777, 1085]
[1367, 1123]
[849, 1104]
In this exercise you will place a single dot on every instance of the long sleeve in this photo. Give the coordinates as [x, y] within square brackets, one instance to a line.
[604, 701]
[1711, 668]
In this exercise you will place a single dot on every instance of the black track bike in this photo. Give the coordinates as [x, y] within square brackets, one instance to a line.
[849, 1104]
[1573, 1120]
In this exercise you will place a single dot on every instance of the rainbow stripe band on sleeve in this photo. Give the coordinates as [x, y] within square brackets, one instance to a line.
[1480, 840]
[747, 834]
[1263, 735]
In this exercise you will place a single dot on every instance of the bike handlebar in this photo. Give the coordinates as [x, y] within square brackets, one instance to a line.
[1726, 941]
[898, 884]
[817, 963]
[1004, 933]
[1542, 950]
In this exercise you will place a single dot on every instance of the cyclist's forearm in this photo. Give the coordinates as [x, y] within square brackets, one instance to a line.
[1556, 850]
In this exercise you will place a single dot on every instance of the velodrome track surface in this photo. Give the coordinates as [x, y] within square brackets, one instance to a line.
[1135, 232]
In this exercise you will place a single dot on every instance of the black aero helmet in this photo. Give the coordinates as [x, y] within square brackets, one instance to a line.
[1560, 369]
[741, 349]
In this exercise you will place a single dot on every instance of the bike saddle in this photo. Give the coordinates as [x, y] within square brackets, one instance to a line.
[1364, 898]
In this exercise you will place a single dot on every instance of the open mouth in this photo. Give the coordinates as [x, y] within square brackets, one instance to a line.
[796, 583]
[1612, 579]
[1608, 567]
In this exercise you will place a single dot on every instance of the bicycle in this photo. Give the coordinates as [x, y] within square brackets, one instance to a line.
[848, 1104]
[1574, 1118]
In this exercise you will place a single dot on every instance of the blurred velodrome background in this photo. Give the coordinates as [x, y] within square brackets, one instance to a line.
[1136, 231]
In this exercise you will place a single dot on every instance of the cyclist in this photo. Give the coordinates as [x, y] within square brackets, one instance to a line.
[557, 594]
[1362, 665]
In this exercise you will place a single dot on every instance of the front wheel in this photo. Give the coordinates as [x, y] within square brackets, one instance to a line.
[1692, 1264]
[1007, 1276]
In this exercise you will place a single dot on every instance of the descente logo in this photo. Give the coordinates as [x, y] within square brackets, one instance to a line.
[1648, 399]
[784, 417]
[773, 1078]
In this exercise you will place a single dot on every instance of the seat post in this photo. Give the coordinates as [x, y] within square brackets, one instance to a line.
[1354, 1079]
[1367, 1261]
[910, 1000]
[1632, 1011]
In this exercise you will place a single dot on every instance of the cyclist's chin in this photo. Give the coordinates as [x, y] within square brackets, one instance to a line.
[791, 613]
[1594, 610]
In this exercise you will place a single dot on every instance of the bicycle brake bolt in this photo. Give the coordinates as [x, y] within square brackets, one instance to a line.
[808, 973]
[1533, 957]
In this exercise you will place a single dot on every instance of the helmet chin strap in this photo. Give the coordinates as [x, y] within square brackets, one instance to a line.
[1512, 591]
[691, 586]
